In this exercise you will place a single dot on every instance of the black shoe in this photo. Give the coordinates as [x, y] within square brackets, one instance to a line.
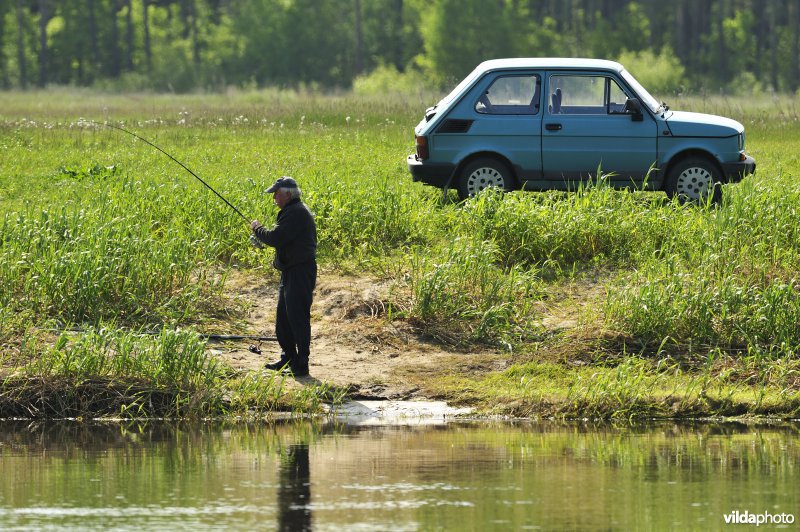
[279, 365]
[295, 372]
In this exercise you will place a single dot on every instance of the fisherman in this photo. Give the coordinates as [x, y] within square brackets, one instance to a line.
[294, 238]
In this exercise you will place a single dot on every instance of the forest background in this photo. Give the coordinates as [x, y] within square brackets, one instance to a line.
[371, 46]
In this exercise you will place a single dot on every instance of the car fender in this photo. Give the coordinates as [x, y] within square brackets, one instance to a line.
[673, 148]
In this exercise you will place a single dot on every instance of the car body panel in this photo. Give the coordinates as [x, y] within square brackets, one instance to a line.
[684, 123]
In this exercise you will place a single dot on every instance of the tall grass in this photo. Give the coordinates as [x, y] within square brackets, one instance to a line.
[110, 373]
[96, 227]
[104, 372]
[727, 277]
[464, 294]
[120, 257]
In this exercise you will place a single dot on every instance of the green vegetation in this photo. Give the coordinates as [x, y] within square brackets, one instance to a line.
[737, 46]
[607, 303]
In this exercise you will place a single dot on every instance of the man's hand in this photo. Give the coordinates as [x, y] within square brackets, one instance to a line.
[255, 224]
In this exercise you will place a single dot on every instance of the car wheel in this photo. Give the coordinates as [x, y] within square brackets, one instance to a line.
[483, 173]
[694, 180]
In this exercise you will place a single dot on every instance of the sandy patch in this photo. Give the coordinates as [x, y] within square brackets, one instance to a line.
[353, 343]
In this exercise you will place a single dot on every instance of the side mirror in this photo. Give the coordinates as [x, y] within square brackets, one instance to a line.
[633, 107]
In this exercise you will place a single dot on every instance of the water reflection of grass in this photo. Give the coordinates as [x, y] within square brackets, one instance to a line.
[687, 310]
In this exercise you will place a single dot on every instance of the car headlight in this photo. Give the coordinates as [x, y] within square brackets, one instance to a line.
[741, 141]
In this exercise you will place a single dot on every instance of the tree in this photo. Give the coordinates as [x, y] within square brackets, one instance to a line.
[21, 59]
[459, 34]
[148, 53]
[359, 59]
[93, 37]
[185, 44]
[5, 7]
[794, 69]
[115, 62]
[44, 18]
[126, 4]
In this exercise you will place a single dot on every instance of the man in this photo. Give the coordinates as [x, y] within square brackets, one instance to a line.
[294, 238]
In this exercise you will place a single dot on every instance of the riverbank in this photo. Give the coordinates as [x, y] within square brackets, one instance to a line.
[575, 371]
[363, 352]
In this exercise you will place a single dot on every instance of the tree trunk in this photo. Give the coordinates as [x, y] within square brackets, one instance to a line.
[93, 40]
[795, 68]
[148, 54]
[3, 70]
[115, 67]
[44, 18]
[723, 48]
[359, 59]
[128, 36]
[773, 44]
[762, 31]
[681, 34]
[195, 36]
[398, 50]
[23, 64]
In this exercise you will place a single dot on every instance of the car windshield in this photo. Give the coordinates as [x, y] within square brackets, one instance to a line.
[644, 96]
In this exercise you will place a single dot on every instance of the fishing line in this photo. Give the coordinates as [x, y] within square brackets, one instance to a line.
[247, 220]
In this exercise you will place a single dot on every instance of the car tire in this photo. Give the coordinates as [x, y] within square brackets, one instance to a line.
[483, 173]
[694, 180]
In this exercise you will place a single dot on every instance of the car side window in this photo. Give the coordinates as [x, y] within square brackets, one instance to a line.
[511, 95]
[585, 95]
[616, 98]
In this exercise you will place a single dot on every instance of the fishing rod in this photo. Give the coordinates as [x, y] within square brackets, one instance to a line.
[247, 220]
[205, 336]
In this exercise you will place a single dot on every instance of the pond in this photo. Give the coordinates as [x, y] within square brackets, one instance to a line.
[331, 475]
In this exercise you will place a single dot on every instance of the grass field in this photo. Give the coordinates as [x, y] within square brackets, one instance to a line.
[678, 310]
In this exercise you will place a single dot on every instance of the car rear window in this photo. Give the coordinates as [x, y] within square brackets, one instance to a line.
[511, 95]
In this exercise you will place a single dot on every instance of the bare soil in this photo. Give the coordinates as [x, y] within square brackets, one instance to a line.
[353, 343]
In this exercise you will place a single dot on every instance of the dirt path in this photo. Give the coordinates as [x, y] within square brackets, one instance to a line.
[353, 343]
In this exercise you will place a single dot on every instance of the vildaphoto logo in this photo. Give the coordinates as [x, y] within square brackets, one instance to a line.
[764, 518]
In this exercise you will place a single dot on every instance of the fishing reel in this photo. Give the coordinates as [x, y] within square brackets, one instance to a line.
[256, 242]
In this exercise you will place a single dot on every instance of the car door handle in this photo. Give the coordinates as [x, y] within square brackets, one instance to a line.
[552, 127]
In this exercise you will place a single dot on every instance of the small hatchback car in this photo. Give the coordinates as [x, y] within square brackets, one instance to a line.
[550, 124]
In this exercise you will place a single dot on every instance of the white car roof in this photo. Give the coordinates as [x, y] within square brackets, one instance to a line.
[548, 63]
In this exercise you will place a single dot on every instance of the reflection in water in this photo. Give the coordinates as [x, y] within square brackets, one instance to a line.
[294, 492]
[457, 476]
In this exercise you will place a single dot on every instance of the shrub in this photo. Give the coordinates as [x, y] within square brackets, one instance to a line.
[660, 73]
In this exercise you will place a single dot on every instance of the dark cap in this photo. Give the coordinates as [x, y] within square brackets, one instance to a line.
[282, 182]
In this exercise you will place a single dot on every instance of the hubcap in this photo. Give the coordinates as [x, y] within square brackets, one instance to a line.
[694, 182]
[482, 178]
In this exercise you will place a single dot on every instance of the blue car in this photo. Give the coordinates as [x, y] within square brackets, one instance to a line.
[551, 124]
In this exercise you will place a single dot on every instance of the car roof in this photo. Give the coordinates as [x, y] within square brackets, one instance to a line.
[548, 63]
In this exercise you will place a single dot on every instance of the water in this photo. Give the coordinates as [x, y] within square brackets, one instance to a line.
[333, 476]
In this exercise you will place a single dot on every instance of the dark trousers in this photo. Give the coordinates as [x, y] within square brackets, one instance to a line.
[293, 317]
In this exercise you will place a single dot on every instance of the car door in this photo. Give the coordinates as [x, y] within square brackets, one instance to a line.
[587, 127]
[502, 116]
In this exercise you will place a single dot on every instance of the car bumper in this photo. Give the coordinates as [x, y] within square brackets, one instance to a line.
[435, 174]
[735, 172]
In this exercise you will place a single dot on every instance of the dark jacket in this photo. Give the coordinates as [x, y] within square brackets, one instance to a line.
[294, 236]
